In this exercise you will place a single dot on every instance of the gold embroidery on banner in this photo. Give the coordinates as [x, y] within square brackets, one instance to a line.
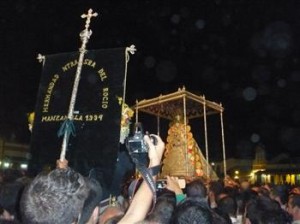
[77, 117]
[49, 93]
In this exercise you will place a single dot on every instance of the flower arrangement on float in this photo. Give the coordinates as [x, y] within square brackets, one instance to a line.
[127, 114]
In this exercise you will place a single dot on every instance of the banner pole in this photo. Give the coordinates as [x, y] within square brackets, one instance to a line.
[68, 127]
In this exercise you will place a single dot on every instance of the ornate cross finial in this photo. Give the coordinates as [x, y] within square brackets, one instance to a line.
[41, 58]
[86, 33]
[88, 17]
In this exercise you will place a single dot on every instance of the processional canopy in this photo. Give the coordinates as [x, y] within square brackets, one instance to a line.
[183, 156]
[165, 106]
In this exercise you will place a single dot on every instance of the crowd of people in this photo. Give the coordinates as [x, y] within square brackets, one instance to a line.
[64, 196]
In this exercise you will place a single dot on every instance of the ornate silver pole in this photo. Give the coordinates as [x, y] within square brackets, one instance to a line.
[223, 142]
[185, 135]
[85, 36]
[206, 140]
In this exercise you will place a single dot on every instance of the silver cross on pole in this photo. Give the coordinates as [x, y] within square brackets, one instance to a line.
[68, 124]
[86, 33]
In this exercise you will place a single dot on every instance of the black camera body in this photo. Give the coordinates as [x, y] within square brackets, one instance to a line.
[160, 184]
[136, 143]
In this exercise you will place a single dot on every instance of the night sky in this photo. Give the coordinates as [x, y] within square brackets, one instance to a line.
[244, 54]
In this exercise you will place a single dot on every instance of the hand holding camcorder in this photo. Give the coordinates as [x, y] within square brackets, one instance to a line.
[136, 143]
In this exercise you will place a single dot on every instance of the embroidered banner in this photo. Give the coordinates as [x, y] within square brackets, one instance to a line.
[97, 111]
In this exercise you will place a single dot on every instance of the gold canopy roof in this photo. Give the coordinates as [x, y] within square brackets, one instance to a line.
[165, 106]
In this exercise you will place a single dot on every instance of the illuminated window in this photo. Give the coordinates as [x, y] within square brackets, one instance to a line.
[23, 166]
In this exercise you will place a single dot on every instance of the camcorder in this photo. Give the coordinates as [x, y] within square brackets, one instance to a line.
[161, 183]
[136, 143]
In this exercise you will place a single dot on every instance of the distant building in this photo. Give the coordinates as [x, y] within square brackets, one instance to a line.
[13, 155]
[282, 169]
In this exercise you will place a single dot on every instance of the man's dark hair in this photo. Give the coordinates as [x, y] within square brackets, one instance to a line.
[258, 208]
[295, 200]
[227, 205]
[196, 188]
[10, 193]
[280, 191]
[163, 209]
[92, 201]
[216, 187]
[243, 198]
[278, 217]
[9, 222]
[220, 218]
[264, 191]
[230, 191]
[192, 211]
[57, 197]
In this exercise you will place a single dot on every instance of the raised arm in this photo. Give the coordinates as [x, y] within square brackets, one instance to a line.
[142, 200]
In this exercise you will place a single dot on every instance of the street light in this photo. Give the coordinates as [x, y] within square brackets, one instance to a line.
[236, 176]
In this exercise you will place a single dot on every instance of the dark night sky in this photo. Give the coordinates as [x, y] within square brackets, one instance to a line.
[242, 53]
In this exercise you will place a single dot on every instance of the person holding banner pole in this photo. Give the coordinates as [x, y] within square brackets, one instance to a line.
[64, 196]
